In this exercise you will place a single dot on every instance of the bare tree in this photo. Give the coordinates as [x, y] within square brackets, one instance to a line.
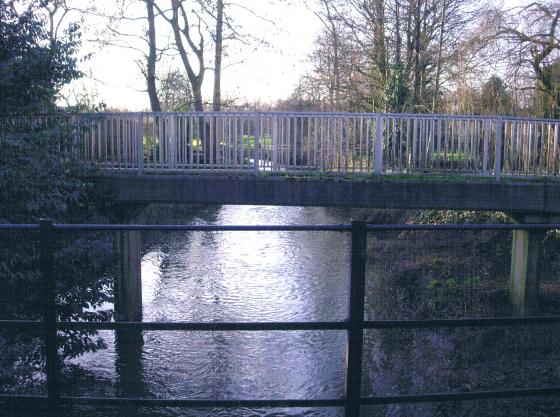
[442, 24]
[152, 58]
[332, 27]
[397, 53]
[189, 40]
[218, 52]
[532, 36]
[174, 90]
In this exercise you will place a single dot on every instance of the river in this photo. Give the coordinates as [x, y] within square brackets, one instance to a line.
[303, 276]
[240, 276]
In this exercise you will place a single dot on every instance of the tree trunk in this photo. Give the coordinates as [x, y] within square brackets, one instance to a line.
[197, 97]
[180, 30]
[439, 55]
[417, 49]
[380, 49]
[398, 71]
[152, 57]
[334, 87]
[217, 106]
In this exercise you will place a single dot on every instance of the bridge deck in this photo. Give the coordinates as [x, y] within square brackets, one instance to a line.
[462, 193]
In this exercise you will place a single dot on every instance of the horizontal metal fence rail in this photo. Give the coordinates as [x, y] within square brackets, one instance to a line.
[348, 143]
[354, 325]
[286, 228]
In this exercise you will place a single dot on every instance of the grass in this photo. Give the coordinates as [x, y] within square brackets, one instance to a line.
[246, 141]
[403, 177]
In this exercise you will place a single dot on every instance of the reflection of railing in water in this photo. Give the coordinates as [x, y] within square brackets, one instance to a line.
[354, 325]
[350, 143]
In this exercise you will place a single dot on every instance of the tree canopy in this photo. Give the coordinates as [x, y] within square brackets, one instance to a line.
[34, 64]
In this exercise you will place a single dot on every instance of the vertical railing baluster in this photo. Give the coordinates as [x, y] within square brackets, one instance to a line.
[354, 133]
[414, 143]
[172, 133]
[140, 142]
[46, 242]
[356, 318]
[322, 143]
[98, 122]
[201, 144]
[256, 143]
[438, 159]
[498, 151]
[242, 156]
[485, 148]
[205, 139]
[303, 163]
[555, 151]
[105, 140]
[378, 146]
[431, 144]
[294, 161]
[368, 158]
[309, 140]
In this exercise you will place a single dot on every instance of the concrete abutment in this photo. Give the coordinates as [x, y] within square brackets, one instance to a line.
[526, 263]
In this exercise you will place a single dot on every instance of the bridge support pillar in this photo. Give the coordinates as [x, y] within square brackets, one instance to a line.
[128, 282]
[525, 270]
[128, 286]
[526, 266]
[128, 307]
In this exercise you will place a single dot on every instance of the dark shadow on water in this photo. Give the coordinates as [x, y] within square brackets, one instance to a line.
[130, 372]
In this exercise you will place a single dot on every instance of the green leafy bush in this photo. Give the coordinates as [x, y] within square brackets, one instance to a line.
[38, 179]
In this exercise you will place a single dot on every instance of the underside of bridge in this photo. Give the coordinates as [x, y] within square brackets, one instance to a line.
[527, 201]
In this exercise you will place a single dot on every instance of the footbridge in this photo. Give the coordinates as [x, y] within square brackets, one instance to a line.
[325, 159]
[404, 161]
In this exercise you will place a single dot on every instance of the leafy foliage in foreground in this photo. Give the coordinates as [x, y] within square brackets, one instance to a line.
[40, 179]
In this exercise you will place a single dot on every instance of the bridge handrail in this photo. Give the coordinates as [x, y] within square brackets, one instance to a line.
[304, 142]
[292, 113]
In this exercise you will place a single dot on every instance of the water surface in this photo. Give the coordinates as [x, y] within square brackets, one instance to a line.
[239, 276]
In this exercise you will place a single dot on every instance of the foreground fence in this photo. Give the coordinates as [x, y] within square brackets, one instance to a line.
[347, 143]
[354, 325]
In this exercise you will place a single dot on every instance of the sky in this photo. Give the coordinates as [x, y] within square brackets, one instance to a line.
[266, 74]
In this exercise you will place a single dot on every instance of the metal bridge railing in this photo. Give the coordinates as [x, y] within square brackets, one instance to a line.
[349, 143]
[354, 325]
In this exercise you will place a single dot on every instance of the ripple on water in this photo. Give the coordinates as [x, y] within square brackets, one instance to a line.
[243, 276]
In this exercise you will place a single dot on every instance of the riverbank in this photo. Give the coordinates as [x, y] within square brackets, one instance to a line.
[423, 275]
